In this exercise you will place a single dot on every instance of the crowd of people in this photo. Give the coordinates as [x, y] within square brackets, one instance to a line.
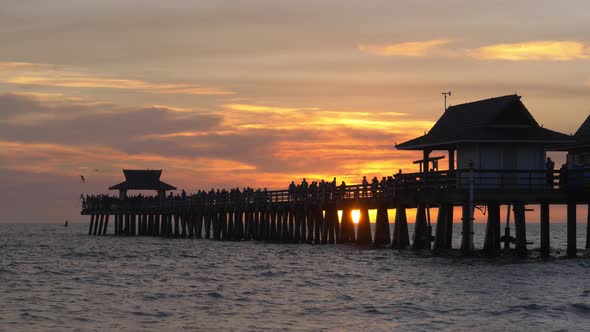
[247, 195]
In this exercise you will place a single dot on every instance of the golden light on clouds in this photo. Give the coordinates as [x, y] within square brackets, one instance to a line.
[409, 49]
[22, 73]
[533, 51]
[265, 108]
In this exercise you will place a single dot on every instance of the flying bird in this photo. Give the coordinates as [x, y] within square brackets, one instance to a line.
[82, 179]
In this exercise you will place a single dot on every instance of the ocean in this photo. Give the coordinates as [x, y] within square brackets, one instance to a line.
[54, 278]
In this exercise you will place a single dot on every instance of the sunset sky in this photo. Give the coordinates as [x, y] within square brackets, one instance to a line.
[259, 93]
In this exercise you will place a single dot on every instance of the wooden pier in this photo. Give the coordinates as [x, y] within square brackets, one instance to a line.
[311, 216]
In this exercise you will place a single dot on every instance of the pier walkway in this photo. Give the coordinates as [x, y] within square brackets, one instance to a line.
[310, 215]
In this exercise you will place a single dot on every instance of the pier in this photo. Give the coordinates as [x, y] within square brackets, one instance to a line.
[311, 216]
[495, 162]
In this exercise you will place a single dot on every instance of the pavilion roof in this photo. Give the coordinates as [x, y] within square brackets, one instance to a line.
[142, 180]
[582, 138]
[502, 119]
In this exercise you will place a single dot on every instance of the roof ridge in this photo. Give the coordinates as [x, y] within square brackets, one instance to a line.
[484, 100]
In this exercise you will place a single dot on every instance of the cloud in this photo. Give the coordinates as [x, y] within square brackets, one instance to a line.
[33, 74]
[409, 49]
[226, 147]
[265, 109]
[533, 51]
[28, 118]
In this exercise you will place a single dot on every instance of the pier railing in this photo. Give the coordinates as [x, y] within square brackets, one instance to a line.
[402, 184]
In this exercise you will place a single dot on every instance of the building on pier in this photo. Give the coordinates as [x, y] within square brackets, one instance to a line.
[491, 134]
[579, 151]
[142, 180]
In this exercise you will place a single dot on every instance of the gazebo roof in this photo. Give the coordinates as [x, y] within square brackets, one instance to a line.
[502, 119]
[142, 180]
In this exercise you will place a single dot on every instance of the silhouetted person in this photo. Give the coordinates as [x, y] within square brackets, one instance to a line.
[374, 186]
[563, 176]
[549, 169]
[292, 190]
[365, 185]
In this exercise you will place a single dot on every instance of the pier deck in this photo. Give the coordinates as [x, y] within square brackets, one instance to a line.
[311, 215]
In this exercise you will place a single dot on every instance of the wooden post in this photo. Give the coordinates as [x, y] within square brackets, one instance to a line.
[171, 225]
[421, 238]
[106, 225]
[278, 222]
[140, 224]
[230, 224]
[96, 222]
[323, 225]
[116, 224]
[449, 227]
[221, 221]
[100, 225]
[401, 236]
[255, 224]
[297, 233]
[507, 236]
[545, 245]
[310, 223]
[492, 240]
[571, 230]
[347, 227]
[291, 223]
[126, 230]
[149, 224]
[318, 224]
[520, 229]
[382, 235]
[133, 224]
[441, 229]
[303, 224]
[163, 225]
[466, 248]
[183, 225]
[199, 224]
[156, 226]
[208, 217]
[240, 226]
[332, 220]
[285, 226]
[364, 228]
[451, 161]
[91, 224]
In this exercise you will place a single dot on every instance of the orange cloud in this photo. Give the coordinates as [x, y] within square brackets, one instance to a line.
[265, 109]
[409, 49]
[21, 73]
[533, 51]
[66, 159]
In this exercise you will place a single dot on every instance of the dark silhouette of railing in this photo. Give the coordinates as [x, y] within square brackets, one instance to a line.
[403, 184]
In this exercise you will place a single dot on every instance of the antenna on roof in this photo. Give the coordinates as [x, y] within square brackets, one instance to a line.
[446, 94]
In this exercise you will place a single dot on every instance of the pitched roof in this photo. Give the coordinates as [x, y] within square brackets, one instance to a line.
[582, 138]
[500, 119]
[142, 180]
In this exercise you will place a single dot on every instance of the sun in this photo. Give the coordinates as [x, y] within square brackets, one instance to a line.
[356, 216]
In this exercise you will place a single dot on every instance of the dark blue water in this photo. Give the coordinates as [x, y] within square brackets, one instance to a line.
[59, 279]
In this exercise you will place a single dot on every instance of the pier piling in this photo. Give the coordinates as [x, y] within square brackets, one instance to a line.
[545, 245]
[571, 230]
